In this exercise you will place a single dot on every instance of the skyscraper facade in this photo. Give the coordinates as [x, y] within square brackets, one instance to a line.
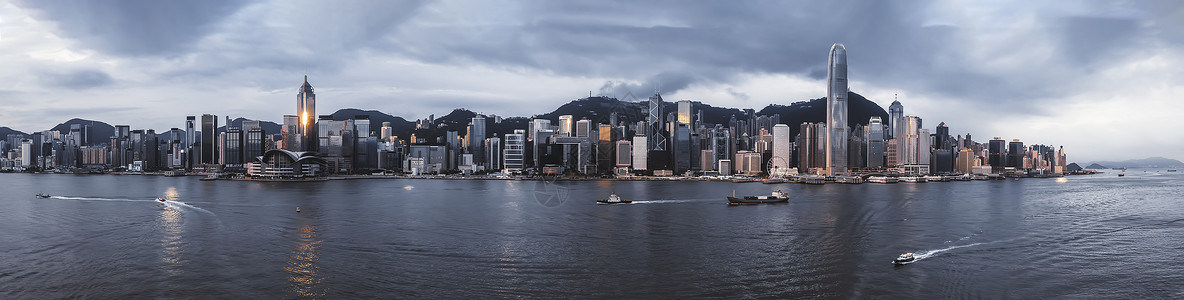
[781, 146]
[209, 139]
[476, 139]
[895, 116]
[306, 110]
[655, 124]
[836, 111]
[190, 141]
[875, 142]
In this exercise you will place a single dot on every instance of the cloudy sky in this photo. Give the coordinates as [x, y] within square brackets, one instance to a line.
[1101, 78]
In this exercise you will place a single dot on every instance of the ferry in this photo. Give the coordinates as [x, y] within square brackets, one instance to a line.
[882, 179]
[613, 199]
[904, 259]
[160, 199]
[814, 180]
[935, 178]
[42, 196]
[849, 179]
[912, 179]
[776, 197]
[1171, 170]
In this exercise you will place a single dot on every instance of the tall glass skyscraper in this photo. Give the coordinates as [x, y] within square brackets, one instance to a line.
[895, 116]
[306, 110]
[836, 111]
[209, 139]
[655, 123]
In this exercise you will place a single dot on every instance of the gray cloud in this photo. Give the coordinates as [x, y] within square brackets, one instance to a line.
[77, 80]
[135, 27]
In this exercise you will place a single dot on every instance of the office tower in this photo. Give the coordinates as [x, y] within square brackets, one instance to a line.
[857, 148]
[209, 139]
[966, 160]
[942, 138]
[604, 148]
[253, 143]
[1015, 154]
[452, 151]
[909, 141]
[681, 147]
[924, 149]
[476, 139]
[836, 111]
[624, 154]
[386, 132]
[365, 145]
[565, 124]
[997, 156]
[685, 108]
[806, 144]
[26, 153]
[176, 149]
[514, 155]
[191, 153]
[892, 153]
[721, 146]
[640, 151]
[583, 128]
[335, 143]
[290, 134]
[895, 115]
[875, 142]
[781, 146]
[656, 124]
[231, 143]
[306, 110]
[493, 151]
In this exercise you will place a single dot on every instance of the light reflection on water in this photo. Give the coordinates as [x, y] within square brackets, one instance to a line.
[304, 274]
[171, 241]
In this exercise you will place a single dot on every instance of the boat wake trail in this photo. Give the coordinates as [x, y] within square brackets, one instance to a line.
[178, 205]
[668, 201]
[923, 254]
[92, 199]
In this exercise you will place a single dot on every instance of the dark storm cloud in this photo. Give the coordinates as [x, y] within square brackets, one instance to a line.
[135, 27]
[1090, 39]
[77, 80]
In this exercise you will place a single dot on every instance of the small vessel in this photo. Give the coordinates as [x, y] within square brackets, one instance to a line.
[42, 196]
[613, 199]
[160, 199]
[776, 197]
[297, 209]
[1121, 174]
[1171, 170]
[904, 259]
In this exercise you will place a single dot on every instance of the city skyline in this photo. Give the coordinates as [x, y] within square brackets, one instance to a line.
[216, 62]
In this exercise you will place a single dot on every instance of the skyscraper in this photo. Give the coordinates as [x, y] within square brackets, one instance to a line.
[306, 110]
[781, 145]
[895, 114]
[684, 112]
[190, 141]
[875, 142]
[655, 124]
[565, 124]
[997, 154]
[476, 139]
[209, 139]
[836, 111]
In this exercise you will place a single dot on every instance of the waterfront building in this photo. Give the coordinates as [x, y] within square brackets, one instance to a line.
[279, 163]
[493, 153]
[253, 143]
[424, 159]
[781, 146]
[336, 142]
[836, 111]
[209, 139]
[655, 124]
[306, 110]
[476, 139]
[874, 137]
[640, 151]
[624, 155]
[290, 134]
[895, 117]
[605, 148]
[230, 144]
[966, 160]
[191, 154]
[1015, 154]
[515, 152]
[997, 156]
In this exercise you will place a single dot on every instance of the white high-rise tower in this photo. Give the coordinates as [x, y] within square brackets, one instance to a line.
[836, 111]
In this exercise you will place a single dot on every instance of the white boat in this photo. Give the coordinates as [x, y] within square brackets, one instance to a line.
[613, 199]
[904, 259]
[159, 199]
[912, 179]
